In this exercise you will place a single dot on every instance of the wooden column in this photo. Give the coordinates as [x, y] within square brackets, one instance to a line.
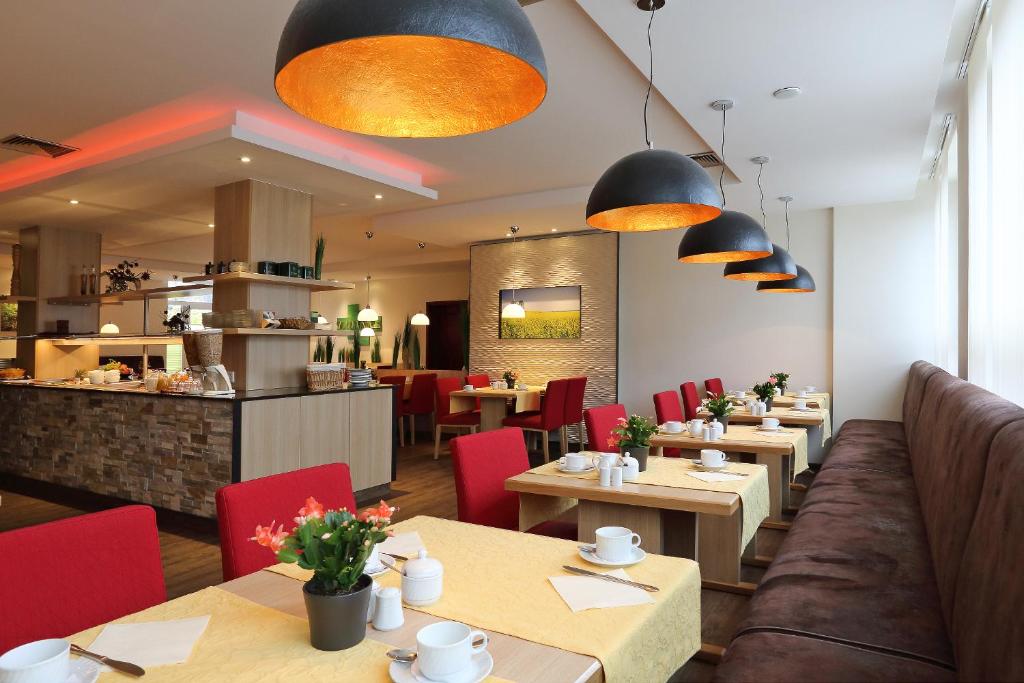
[256, 221]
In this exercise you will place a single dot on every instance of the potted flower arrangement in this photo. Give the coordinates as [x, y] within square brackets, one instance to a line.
[765, 391]
[122, 274]
[511, 377]
[633, 435]
[720, 407]
[781, 380]
[335, 545]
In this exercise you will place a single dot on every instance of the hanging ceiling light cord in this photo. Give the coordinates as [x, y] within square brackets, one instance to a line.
[367, 290]
[650, 81]
[514, 230]
[788, 247]
[721, 173]
[764, 218]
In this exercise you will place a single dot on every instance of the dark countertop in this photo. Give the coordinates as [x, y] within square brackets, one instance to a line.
[255, 395]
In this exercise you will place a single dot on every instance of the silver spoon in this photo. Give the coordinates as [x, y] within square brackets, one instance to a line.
[402, 655]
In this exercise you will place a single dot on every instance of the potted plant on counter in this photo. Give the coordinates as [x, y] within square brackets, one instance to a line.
[781, 380]
[765, 391]
[633, 436]
[720, 408]
[335, 545]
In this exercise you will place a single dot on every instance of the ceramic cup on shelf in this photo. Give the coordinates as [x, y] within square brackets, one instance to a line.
[387, 610]
[41, 661]
[696, 427]
[444, 649]
[770, 422]
[800, 404]
[573, 461]
[673, 426]
[616, 543]
[712, 458]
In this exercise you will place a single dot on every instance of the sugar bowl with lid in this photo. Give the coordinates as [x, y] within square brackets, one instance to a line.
[422, 580]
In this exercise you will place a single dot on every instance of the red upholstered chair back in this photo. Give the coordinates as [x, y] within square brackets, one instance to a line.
[691, 402]
[552, 408]
[392, 379]
[667, 408]
[277, 498]
[574, 400]
[482, 462]
[714, 386]
[63, 577]
[421, 397]
[445, 386]
[600, 422]
[478, 381]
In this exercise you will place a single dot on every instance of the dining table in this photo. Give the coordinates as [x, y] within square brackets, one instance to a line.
[782, 452]
[494, 403]
[495, 580]
[675, 507]
[817, 421]
[815, 399]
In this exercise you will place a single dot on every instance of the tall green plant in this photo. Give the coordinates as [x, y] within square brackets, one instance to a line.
[375, 351]
[318, 352]
[357, 347]
[407, 340]
[416, 352]
[318, 262]
[329, 349]
[395, 352]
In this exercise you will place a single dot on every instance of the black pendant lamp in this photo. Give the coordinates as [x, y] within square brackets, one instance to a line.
[410, 68]
[803, 283]
[733, 236]
[654, 189]
[778, 266]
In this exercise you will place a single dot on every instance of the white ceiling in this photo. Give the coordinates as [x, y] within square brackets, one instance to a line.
[118, 76]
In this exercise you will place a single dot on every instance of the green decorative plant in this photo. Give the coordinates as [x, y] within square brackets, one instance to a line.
[407, 340]
[718, 405]
[375, 350]
[357, 347]
[396, 350]
[318, 261]
[765, 390]
[635, 432]
[121, 275]
[329, 349]
[781, 380]
[415, 352]
[318, 352]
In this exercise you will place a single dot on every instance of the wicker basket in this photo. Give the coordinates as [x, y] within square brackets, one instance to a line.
[296, 324]
[325, 376]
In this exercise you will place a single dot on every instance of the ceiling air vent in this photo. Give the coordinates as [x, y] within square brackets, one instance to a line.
[706, 159]
[43, 148]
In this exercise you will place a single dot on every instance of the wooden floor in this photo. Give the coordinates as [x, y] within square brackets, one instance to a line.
[191, 555]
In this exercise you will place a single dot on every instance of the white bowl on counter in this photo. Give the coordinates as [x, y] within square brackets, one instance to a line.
[96, 376]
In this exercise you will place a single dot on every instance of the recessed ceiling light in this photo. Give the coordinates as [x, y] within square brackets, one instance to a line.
[554, 229]
[378, 196]
[210, 225]
[73, 201]
[508, 234]
[787, 93]
[244, 160]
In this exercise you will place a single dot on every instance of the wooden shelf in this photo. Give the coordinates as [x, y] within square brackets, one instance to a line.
[268, 331]
[177, 292]
[312, 285]
[7, 298]
[114, 340]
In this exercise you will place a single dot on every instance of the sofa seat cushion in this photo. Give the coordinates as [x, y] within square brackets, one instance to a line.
[800, 658]
[855, 566]
[879, 452]
[867, 428]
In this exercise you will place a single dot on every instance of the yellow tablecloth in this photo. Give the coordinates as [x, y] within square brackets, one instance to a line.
[672, 472]
[498, 580]
[248, 642]
[823, 399]
[795, 436]
[782, 412]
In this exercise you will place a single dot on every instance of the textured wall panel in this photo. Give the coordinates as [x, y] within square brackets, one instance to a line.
[589, 260]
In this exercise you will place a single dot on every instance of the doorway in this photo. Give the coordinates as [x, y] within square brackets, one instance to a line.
[447, 335]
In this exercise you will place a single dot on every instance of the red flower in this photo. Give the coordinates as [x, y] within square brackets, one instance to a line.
[613, 440]
[312, 509]
[268, 538]
[773, 379]
[381, 512]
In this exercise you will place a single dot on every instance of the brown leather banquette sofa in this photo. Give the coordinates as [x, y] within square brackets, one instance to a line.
[906, 560]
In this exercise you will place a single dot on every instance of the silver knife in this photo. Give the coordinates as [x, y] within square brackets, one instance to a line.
[125, 667]
[635, 584]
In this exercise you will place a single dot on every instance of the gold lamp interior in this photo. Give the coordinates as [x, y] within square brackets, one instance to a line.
[650, 217]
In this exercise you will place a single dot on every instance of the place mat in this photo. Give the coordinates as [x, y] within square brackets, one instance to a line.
[589, 592]
[796, 436]
[497, 580]
[675, 473]
[822, 398]
[782, 412]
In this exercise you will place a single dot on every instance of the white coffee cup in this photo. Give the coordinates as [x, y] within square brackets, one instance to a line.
[573, 461]
[800, 403]
[41, 661]
[770, 422]
[809, 389]
[739, 394]
[712, 458]
[696, 427]
[467, 387]
[604, 476]
[616, 543]
[673, 426]
[606, 460]
[446, 648]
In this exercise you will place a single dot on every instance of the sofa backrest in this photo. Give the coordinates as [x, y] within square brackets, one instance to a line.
[987, 629]
[920, 372]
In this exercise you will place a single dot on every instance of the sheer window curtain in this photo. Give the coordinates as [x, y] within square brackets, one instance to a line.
[946, 288]
[996, 191]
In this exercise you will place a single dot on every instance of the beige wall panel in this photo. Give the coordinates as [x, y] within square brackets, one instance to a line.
[271, 437]
[370, 438]
[325, 429]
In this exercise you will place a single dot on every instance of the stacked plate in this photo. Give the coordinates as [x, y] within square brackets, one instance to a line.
[360, 379]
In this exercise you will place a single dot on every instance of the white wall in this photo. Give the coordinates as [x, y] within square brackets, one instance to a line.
[680, 322]
[883, 301]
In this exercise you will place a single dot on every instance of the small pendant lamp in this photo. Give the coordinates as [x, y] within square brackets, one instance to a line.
[803, 283]
[367, 315]
[733, 236]
[654, 189]
[410, 68]
[778, 266]
[513, 309]
[420, 319]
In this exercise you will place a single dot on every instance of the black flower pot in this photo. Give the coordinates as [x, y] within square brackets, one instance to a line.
[338, 622]
[510, 383]
[638, 452]
[768, 403]
[724, 421]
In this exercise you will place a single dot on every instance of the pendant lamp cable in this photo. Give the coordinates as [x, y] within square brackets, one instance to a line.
[760, 188]
[721, 173]
[367, 290]
[515, 231]
[650, 80]
[788, 248]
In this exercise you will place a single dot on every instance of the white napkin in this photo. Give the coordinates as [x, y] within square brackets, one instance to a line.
[153, 643]
[715, 476]
[585, 592]
[408, 544]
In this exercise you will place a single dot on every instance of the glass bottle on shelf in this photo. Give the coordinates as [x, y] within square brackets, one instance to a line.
[83, 281]
[94, 281]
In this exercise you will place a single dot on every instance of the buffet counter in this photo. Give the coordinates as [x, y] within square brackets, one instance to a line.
[174, 451]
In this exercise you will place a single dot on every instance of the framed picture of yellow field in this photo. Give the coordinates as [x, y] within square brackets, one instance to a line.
[551, 313]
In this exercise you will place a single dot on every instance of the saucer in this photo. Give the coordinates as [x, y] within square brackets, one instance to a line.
[707, 468]
[591, 557]
[570, 470]
[479, 668]
[375, 571]
[83, 671]
[762, 428]
[802, 410]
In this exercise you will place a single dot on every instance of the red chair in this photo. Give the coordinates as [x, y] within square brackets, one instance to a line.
[482, 462]
[66, 576]
[714, 386]
[666, 409]
[420, 402]
[478, 382]
[399, 381]
[277, 498]
[466, 419]
[573, 409]
[691, 402]
[600, 423]
[549, 418]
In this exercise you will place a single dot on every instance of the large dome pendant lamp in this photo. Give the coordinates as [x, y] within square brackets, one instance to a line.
[368, 314]
[733, 236]
[513, 309]
[654, 189]
[803, 283]
[778, 266]
[410, 68]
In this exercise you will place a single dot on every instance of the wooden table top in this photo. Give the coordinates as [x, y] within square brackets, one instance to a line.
[741, 439]
[810, 418]
[487, 392]
[515, 659]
